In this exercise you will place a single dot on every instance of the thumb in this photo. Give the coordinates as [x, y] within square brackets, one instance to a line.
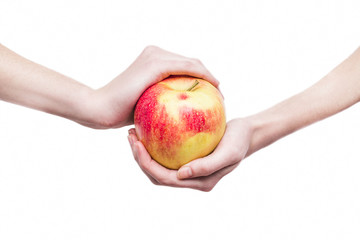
[203, 166]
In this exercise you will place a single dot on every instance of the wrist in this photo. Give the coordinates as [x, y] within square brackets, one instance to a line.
[93, 110]
[85, 108]
[106, 109]
[266, 128]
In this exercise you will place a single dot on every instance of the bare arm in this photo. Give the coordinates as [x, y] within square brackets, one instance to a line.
[29, 84]
[26, 83]
[335, 92]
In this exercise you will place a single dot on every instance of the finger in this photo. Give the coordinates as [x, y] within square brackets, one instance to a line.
[222, 172]
[135, 149]
[222, 157]
[168, 177]
[153, 180]
[150, 166]
[190, 67]
[203, 166]
[201, 71]
[132, 138]
[175, 64]
[222, 95]
[160, 175]
[132, 131]
[209, 182]
[179, 65]
[231, 150]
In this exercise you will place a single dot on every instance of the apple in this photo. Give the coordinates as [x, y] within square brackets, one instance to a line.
[180, 119]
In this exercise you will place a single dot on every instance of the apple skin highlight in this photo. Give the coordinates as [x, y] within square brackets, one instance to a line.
[177, 126]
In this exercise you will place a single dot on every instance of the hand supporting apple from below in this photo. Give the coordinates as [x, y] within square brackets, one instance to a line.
[180, 119]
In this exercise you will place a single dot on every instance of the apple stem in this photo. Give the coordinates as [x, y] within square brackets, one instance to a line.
[193, 86]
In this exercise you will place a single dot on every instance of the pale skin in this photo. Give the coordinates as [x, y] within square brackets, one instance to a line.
[29, 84]
[335, 92]
[32, 85]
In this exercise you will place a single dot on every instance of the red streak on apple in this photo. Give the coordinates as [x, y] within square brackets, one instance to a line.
[152, 118]
[197, 121]
[165, 128]
[149, 109]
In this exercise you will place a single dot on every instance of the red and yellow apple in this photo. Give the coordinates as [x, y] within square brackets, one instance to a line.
[180, 119]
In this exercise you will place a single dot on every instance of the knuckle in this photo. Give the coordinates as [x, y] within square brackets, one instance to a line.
[155, 182]
[196, 61]
[207, 188]
[150, 49]
[151, 60]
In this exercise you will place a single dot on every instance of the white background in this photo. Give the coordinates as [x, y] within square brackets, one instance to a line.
[60, 180]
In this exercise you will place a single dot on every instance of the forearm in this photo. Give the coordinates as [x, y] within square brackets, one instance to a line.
[29, 84]
[335, 92]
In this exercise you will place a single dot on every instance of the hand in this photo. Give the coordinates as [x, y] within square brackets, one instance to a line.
[29, 84]
[114, 103]
[204, 173]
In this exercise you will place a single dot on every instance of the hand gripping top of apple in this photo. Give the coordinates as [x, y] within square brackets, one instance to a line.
[180, 119]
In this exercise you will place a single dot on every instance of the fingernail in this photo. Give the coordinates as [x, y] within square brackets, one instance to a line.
[131, 131]
[184, 172]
